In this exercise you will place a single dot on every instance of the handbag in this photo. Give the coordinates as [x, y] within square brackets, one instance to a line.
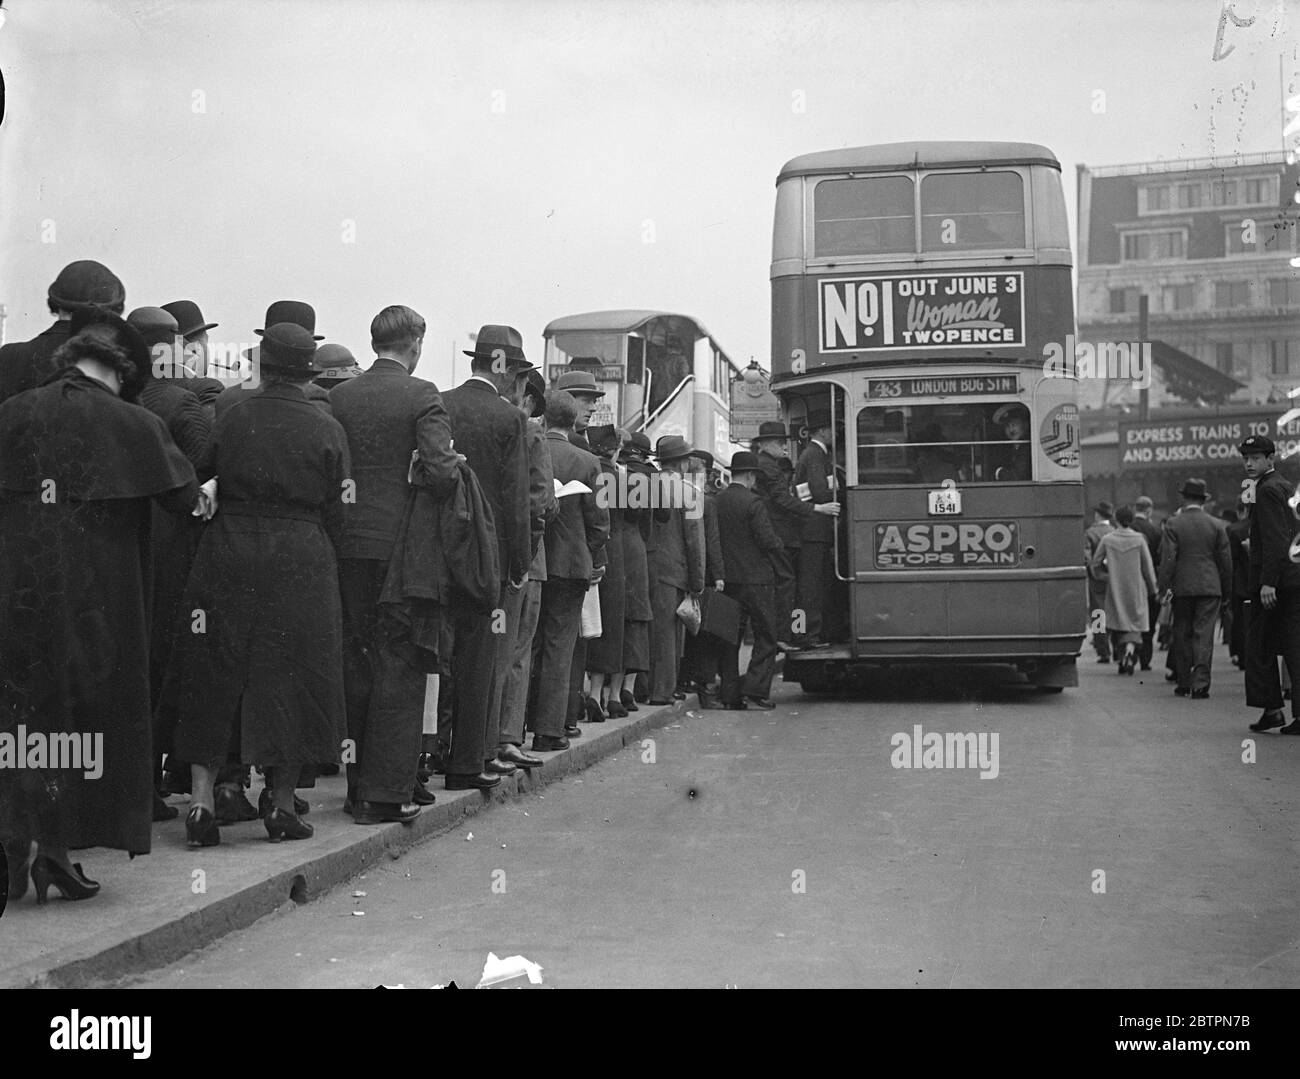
[591, 626]
[720, 616]
[689, 612]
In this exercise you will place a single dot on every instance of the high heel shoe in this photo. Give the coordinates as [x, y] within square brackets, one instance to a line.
[201, 828]
[614, 709]
[628, 700]
[594, 712]
[72, 884]
[18, 853]
[281, 825]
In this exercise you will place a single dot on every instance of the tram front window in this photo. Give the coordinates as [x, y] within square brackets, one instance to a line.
[986, 442]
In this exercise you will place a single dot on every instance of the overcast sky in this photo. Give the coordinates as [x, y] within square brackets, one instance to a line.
[521, 160]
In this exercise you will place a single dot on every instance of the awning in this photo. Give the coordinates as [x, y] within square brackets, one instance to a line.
[1189, 378]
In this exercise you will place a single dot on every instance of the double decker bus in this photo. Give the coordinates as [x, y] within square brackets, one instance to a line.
[919, 291]
[662, 373]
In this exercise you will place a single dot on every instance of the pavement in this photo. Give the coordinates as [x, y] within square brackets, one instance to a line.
[157, 908]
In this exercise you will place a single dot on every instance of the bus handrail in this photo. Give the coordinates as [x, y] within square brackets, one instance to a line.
[667, 400]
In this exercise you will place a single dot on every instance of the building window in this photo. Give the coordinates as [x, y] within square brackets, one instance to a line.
[1284, 292]
[1124, 301]
[1231, 293]
[1224, 192]
[1148, 246]
[1178, 297]
[1280, 355]
[1223, 356]
[1259, 191]
[1189, 196]
[1157, 198]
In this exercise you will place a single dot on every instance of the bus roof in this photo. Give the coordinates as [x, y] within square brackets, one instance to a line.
[614, 322]
[895, 156]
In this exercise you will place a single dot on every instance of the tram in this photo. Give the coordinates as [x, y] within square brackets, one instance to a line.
[662, 373]
[919, 291]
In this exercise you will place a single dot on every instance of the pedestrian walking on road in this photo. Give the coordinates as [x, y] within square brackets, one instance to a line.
[1101, 524]
[1142, 507]
[1196, 570]
[1123, 561]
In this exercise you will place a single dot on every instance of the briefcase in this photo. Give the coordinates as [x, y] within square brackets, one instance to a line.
[720, 616]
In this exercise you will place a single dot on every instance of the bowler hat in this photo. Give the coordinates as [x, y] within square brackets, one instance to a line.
[1194, 489]
[289, 348]
[295, 311]
[86, 282]
[705, 456]
[772, 429]
[155, 325]
[507, 340]
[1257, 444]
[335, 361]
[672, 448]
[745, 461]
[188, 317]
[579, 382]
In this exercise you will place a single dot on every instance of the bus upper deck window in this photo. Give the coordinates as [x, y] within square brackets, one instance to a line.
[867, 216]
[972, 210]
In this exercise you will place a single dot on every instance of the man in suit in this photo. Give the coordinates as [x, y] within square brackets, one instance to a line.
[489, 432]
[1142, 507]
[193, 329]
[748, 541]
[699, 658]
[1101, 524]
[814, 483]
[387, 416]
[300, 314]
[575, 559]
[676, 566]
[1273, 606]
[24, 365]
[1196, 565]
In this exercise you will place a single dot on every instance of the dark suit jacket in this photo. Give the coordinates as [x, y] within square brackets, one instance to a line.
[787, 513]
[747, 536]
[1194, 555]
[1237, 531]
[542, 504]
[576, 538]
[238, 391]
[1152, 536]
[814, 469]
[387, 415]
[186, 419]
[1272, 527]
[490, 433]
[24, 365]
[715, 566]
[676, 547]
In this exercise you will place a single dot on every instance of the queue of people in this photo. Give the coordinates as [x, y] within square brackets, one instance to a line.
[1197, 572]
[215, 579]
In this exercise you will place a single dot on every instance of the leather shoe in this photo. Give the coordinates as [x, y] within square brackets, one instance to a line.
[658, 702]
[1291, 728]
[628, 701]
[266, 803]
[233, 806]
[546, 743]
[573, 731]
[707, 700]
[498, 767]
[162, 811]
[762, 703]
[384, 812]
[734, 706]
[483, 781]
[1182, 691]
[515, 755]
[422, 796]
[1201, 694]
[1269, 721]
[614, 709]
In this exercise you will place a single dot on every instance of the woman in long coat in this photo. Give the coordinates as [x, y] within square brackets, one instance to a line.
[1123, 561]
[631, 525]
[605, 653]
[264, 654]
[79, 467]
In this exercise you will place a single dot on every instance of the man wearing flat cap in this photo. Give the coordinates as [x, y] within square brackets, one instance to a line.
[1273, 586]
[80, 285]
[489, 431]
[1196, 568]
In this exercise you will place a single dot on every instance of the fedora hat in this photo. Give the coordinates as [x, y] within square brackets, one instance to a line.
[188, 317]
[772, 429]
[507, 339]
[86, 283]
[745, 461]
[156, 325]
[579, 382]
[335, 361]
[295, 311]
[705, 456]
[289, 348]
[673, 448]
[1194, 488]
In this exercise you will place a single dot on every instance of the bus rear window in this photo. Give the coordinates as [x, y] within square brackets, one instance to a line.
[972, 210]
[986, 442]
[872, 216]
